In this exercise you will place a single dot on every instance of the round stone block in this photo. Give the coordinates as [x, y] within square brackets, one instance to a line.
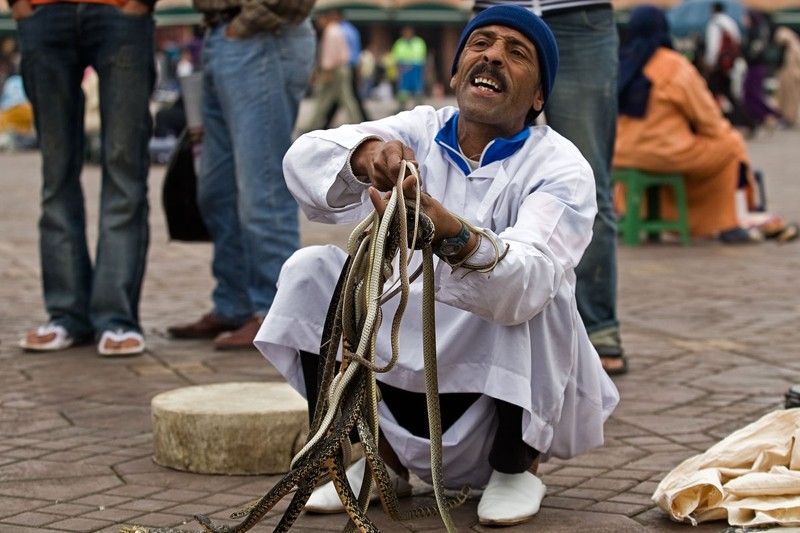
[229, 428]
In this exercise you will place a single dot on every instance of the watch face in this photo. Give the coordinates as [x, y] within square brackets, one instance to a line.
[449, 249]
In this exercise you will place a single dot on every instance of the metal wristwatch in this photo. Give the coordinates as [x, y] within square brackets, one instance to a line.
[452, 246]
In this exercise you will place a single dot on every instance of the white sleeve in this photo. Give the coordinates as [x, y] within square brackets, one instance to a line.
[317, 170]
[713, 43]
[552, 229]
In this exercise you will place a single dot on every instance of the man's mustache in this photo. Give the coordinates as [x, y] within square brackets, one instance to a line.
[491, 71]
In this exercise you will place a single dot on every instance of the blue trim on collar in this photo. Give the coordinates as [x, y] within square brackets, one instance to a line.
[497, 150]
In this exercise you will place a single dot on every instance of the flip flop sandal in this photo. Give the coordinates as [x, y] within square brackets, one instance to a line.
[49, 338]
[789, 233]
[113, 343]
[613, 353]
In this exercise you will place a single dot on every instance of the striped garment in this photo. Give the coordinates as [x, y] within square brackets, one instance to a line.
[541, 6]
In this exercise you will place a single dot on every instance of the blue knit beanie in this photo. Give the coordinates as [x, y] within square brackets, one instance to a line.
[529, 25]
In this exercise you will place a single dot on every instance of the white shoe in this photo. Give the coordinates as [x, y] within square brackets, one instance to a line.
[47, 338]
[510, 499]
[326, 500]
[113, 343]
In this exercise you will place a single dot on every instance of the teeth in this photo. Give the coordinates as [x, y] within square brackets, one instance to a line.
[487, 83]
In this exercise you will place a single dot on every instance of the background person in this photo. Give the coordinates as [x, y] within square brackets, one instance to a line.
[353, 39]
[669, 123]
[788, 95]
[409, 53]
[57, 43]
[257, 60]
[333, 80]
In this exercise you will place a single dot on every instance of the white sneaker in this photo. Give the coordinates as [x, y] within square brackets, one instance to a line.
[326, 500]
[114, 343]
[510, 499]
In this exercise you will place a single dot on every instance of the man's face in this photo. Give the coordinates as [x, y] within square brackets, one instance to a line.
[498, 81]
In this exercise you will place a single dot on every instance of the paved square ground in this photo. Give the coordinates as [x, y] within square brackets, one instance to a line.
[711, 331]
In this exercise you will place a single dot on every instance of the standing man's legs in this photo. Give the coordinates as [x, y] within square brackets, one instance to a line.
[583, 108]
[52, 70]
[258, 83]
[121, 50]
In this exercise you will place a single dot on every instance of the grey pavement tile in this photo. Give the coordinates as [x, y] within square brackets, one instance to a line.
[561, 502]
[112, 514]
[81, 524]
[627, 509]
[49, 489]
[625, 473]
[68, 509]
[610, 484]
[563, 481]
[145, 505]
[12, 506]
[32, 518]
[25, 529]
[101, 500]
[133, 491]
[588, 493]
[631, 497]
[25, 453]
[179, 495]
[67, 456]
[41, 469]
[161, 520]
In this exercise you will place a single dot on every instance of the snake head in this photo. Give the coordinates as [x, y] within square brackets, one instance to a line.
[425, 229]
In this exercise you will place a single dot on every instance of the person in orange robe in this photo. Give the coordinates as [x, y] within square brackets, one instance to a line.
[669, 123]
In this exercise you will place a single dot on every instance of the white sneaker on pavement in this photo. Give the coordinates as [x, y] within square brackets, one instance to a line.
[510, 499]
[325, 499]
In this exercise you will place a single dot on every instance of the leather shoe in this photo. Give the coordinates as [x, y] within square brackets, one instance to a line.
[208, 327]
[325, 499]
[510, 499]
[241, 338]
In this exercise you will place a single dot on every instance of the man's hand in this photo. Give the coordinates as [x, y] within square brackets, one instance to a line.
[380, 162]
[21, 9]
[135, 7]
[445, 223]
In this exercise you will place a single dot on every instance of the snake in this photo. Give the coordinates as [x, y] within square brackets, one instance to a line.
[349, 398]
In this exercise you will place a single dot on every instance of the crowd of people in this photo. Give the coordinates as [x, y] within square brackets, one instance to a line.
[517, 183]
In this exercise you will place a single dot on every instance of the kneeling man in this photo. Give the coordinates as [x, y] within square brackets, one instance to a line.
[518, 377]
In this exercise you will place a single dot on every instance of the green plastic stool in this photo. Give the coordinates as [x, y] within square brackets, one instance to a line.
[637, 183]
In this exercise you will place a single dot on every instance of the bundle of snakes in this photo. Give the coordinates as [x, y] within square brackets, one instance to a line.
[349, 397]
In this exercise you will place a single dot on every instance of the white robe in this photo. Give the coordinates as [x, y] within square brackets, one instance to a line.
[513, 334]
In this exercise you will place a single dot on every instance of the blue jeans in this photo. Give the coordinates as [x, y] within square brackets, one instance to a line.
[583, 108]
[57, 43]
[251, 93]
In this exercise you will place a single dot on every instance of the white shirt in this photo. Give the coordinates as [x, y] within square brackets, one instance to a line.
[513, 334]
[719, 22]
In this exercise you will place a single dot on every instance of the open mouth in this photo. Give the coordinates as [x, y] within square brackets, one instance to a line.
[486, 84]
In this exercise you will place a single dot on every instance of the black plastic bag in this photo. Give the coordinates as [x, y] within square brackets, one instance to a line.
[179, 195]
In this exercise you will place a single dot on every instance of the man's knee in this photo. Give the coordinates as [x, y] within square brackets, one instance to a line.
[314, 268]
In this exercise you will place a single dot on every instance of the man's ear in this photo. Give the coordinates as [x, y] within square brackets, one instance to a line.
[538, 100]
[453, 81]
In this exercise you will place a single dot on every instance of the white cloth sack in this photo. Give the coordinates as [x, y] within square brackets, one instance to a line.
[752, 477]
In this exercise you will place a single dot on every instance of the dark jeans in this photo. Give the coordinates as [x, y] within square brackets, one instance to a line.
[57, 43]
[583, 108]
[509, 453]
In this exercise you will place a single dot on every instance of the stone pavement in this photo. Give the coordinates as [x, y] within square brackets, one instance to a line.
[711, 332]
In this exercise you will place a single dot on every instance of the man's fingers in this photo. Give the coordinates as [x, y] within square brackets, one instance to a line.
[377, 200]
